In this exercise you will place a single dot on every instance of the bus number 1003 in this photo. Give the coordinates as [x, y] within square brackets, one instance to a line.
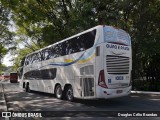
[119, 77]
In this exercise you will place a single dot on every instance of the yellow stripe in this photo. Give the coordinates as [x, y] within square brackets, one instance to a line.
[80, 61]
[83, 61]
[68, 60]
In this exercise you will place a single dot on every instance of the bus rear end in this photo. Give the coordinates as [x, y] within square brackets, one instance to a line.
[13, 77]
[114, 78]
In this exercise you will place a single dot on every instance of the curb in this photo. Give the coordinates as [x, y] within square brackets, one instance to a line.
[146, 92]
[3, 99]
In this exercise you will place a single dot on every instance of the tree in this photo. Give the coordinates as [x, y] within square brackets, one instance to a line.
[18, 56]
[5, 35]
[2, 68]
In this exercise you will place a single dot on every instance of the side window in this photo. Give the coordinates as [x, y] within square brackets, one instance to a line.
[34, 58]
[68, 47]
[46, 54]
[73, 45]
[52, 52]
[55, 51]
[26, 61]
[39, 57]
[59, 49]
[88, 39]
[29, 58]
[42, 55]
[44, 74]
[49, 73]
[63, 48]
[81, 43]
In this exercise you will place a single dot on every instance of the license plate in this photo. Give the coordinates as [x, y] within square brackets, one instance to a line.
[119, 91]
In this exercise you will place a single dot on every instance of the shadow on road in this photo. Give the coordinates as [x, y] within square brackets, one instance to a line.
[39, 101]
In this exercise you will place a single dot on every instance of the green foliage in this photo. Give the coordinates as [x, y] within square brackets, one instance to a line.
[2, 68]
[3, 50]
[20, 53]
[142, 85]
[5, 35]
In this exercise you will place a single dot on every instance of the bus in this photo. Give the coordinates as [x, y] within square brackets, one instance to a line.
[93, 64]
[13, 77]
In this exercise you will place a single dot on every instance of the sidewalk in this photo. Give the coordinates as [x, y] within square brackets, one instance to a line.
[146, 92]
[3, 106]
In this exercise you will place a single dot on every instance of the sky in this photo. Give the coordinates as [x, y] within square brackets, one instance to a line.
[8, 56]
[6, 60]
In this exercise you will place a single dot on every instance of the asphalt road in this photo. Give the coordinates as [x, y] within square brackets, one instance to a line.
[19, 100]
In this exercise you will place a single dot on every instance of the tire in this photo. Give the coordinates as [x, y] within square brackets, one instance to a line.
[27, 89]
[23, 84]
[58, 92]
[69, 93]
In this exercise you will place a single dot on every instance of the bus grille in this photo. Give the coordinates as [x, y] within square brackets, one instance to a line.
[117, 64]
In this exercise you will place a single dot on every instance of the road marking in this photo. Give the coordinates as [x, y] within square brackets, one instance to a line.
[146, 92]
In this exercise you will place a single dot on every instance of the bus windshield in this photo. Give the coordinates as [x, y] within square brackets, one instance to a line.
[116, 36]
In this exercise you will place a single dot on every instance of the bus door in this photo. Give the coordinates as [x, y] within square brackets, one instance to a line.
[87, 82]
[88, 87]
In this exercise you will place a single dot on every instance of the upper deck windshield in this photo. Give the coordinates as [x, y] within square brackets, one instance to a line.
[116, 36]
[14, 74]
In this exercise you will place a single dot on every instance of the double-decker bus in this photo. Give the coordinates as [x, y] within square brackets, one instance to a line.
[96, 63]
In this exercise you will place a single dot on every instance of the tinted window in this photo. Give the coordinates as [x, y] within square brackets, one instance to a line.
[80, 43]
[76, 44]
[34, 58]
[13, 74]
[73, 45]
[41, 74]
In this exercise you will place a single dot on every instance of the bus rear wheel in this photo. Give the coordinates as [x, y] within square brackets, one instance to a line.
[27, 88]
[69, 93]
[58, 92]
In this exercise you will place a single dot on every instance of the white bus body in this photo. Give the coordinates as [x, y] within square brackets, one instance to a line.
[99, 67]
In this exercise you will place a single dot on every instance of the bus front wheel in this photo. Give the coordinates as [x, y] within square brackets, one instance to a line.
[58, 92]
[69, 93]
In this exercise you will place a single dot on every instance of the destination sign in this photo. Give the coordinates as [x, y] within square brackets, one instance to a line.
[119, 47]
